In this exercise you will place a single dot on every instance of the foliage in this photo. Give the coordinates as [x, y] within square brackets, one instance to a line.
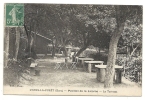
[131, 66]
[95, 55]
[132, 34]
[17, 73]
[88, 52]
[100, 57]
[84, 25]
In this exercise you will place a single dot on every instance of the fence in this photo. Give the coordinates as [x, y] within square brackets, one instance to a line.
[132, 68]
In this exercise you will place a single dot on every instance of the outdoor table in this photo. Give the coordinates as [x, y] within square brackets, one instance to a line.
[85, 59]
[77, 58]
[101, 71]
[93, 62]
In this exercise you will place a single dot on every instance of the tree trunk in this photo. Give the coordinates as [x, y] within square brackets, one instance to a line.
[32, 48]
[134, 50]
[99, 50]
[99, 53]
[17, 42]
[53, 51]
[6, 47]
[35, 41]
[127, 50]
[131, 49]
[65, 52]
[59, 50]
[28, 42]
[66, 56]
[80, 51]
[111, 60]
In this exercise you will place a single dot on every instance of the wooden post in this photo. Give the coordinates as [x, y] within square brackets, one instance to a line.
[117, 76]
[102, 74]
[83, 65]
[80, 63]
[98, 74]
[37, 72]
[89, 67]
[66, 62]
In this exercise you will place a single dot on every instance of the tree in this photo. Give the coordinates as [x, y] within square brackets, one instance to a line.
[17, 42]
[6, 47]
[34, 16]
[122, 14]
[96, 25]
[83, 34]
[132, 36]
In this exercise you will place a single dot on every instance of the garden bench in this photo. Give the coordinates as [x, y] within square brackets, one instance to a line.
[101, 71]
[33, 65]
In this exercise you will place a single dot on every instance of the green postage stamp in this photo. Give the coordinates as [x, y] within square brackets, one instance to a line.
[14, 14]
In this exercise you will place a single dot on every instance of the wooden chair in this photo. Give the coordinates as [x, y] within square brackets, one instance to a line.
[74, 63]
[57, 65]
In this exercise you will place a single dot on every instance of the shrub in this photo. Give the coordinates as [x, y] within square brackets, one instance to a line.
[132, 67]
[88, 53]
[101, 57]
[133, 62]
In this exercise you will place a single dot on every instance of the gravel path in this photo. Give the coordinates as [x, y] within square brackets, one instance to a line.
[71, 78]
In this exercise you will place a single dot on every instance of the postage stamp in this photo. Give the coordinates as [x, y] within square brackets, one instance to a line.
[73, 49]
[14, 14]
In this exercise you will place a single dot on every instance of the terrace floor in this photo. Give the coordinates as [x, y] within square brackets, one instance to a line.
[71, 77]
[77, 78]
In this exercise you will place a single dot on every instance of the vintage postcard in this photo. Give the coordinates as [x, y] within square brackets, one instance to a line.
[72, 49]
